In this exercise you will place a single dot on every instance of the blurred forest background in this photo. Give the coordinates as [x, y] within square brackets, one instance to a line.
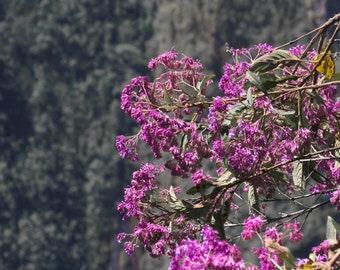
[63, 65]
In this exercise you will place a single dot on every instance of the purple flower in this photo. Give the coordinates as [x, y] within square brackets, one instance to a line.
[247, 149]
[335, 199]
[198, 176]
[273, 233]
[143, 180]
[322, 249]
[297, 50]
[233, 79]
[318, 188]
[211, 253]
[215, 120]
[165, 59]
[335, 174]
[219, 149]
[230, 84]
[127, 147]
[178, 120]
[303, 138]
[252, 225]
[130, 247]
[267, 258]
[191, 64]
[294, 230]
[148, 233]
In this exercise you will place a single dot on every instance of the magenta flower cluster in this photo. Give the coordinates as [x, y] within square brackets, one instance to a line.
[252, 225]
[213, 253]
[160, 108]
[153, 230]
[210, 253]
[144, 180]
[251, 135]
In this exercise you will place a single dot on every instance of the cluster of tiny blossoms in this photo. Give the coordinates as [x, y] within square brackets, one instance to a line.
[269, 140]
[213, 253]
[210, 253]
[161, 108]
[243, 131]
[153, 229]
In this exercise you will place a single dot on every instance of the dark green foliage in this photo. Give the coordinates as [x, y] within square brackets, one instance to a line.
[63, 65]
[203, 29]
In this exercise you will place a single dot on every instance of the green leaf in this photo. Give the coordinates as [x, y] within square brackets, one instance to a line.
[336, 77]
[331, 229]
[279, 175]
[167, 97]
[292, 121]
[288, 259]
[284, 253]
[225, 128]
[317, 98]
[283, 112]
[153, 91]
[177, 206]
[197, 211]
[226, 180]
[287, 78]
[263, 81]
[298, 177]
[184, 142]
[238, 107]
[272, 60]
[174, 203]
[199, 188]
[202, 83]
[250, 99]
[304, 121]
[193, 190]
[218, 224]
[225, 213]
[223, 179]
[263, 66]
[253, 198]
[254, 79]
[269, 77]
[152, 200]
[337, 152]
[172, 194]
[316, 176]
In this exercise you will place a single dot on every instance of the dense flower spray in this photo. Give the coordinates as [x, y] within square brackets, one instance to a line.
[272, 131]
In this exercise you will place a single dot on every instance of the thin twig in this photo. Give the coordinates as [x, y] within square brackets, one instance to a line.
[297, 213]
[325, 25]
[332, 261]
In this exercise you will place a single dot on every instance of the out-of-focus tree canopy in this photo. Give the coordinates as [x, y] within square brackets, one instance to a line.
[62, 67]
